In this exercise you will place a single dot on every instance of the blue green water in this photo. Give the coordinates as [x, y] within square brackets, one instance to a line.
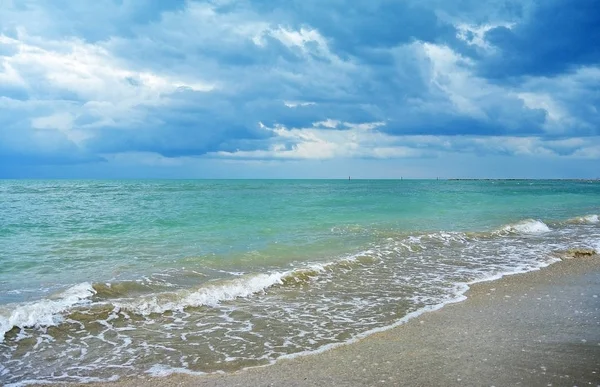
[235, 273]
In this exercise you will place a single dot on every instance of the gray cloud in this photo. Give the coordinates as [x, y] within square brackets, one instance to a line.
[208, 78]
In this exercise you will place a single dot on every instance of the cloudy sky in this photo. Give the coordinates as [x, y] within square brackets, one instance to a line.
[299, 88]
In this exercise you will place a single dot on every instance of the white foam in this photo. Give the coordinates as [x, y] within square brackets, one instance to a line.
[527, 226]
[45, 312]
[459, 298]
[512, 258]
[448, 237]
[78, 379]
[216, 293]
[587, 219]
[461, 289]
[160, 371]
[210, 295]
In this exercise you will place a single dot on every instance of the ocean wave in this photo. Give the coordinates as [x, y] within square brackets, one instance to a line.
[45, 312]
[145, 298]
[208, 295]
[123, 289]
[134, 297]
[445, 237]
[527, 226]
[332, 302]
[586, 219]
[213, 294]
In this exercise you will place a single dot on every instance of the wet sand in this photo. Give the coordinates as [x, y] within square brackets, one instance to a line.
[536, 329]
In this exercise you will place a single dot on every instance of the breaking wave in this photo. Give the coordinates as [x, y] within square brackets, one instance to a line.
[527, 226]
[45, 312]
[586, 219]
[212, 294]
[135, 297]
[209, 295]
[146, 299]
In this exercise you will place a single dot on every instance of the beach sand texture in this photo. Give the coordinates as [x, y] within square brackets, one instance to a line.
[535, 329]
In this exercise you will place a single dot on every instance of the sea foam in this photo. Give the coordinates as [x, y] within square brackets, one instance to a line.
[208, 295]
[586, 219]
[213, 294]
[45, 312]
[527, 226]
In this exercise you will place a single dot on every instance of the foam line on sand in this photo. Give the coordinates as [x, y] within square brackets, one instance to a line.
[534, 329]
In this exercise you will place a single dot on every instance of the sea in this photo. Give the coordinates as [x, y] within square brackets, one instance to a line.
[102, 280]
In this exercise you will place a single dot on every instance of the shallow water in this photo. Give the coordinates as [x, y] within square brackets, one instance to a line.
[103, 279]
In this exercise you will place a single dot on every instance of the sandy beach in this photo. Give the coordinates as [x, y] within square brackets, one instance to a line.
[536, 329]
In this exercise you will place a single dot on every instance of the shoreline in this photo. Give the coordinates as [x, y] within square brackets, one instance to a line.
[536, 328]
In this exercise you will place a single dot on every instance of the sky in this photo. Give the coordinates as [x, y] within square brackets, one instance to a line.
[299, 89]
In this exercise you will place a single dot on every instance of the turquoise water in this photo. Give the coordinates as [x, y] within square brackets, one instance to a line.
[103, 279]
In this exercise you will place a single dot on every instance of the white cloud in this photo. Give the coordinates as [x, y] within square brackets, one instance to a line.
[59, 121]
[328, 123]
[452, 74]
[474, 35]
[62, 122]
[271, 66]
[87, 70]
[98, 86]
[308, 41]
[545, 102]
[588, 152]
[298, 38]
[200, 20]
[321, 142]
[294, 104]
[558, 119]
[10, 76]
[454, 77]
[568, 99]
